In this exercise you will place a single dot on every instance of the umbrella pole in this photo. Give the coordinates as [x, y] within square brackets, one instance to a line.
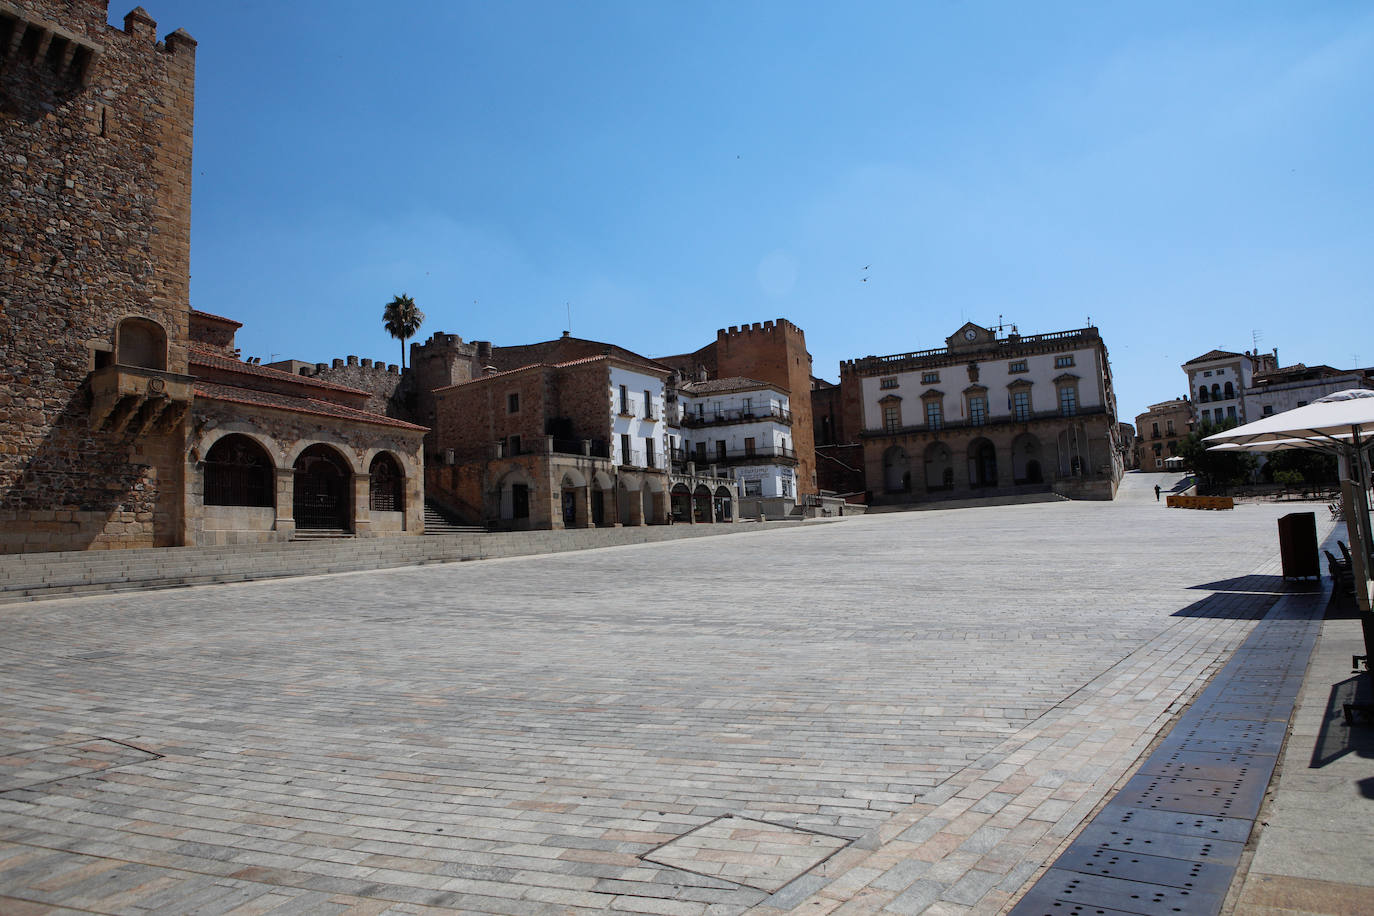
[1358, 525]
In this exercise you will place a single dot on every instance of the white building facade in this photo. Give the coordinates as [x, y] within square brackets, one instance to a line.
[985, 413]
[744, 428]
[639, 431]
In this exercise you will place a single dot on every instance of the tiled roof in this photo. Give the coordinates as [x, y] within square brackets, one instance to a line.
[600, 357]
[199, 314]
[214, 360]
[717, 385]
[1211, 355]
[232, 393]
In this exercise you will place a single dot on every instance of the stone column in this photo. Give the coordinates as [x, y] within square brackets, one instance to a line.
[636, 498]
[286, 504]
[362, 506]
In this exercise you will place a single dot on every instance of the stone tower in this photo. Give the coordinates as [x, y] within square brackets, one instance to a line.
[775, 352]
[95, 148]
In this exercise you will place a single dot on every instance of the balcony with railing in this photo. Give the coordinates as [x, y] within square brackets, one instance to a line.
[738, 415]
[768, 454]
[947, 426]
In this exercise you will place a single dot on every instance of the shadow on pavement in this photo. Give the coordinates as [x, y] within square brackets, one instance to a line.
[1336, 739]
[1254, 584]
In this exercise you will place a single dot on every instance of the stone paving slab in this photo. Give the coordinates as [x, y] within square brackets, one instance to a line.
[949, 694]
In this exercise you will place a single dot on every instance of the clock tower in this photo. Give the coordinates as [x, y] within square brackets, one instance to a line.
[970, 337]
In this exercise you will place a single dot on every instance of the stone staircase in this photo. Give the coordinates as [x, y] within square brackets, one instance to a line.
[70, 574]
[438, 521]
[993, 498]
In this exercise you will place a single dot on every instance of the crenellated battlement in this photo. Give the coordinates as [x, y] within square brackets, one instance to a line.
[378, 367]
[758, 328]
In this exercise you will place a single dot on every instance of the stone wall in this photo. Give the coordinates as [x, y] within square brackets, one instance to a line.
[389, 392]
[95, 148]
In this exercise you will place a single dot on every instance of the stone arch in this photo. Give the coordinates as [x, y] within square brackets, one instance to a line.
[1216, 392]
[386, 484]
[896, 470]
[239, 472]
[141, 342]
[701, 504]
[723, 502]
[654, 496]
[323, 488]
[514, 492]
[572, 489]
[982, 463]
[939, 467]
[1027, 464]
[603, 502]
[681, 498]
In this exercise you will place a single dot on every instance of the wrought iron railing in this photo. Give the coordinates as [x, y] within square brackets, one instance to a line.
[738, 415]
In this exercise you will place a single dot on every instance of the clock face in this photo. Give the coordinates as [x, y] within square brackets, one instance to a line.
[970, 334]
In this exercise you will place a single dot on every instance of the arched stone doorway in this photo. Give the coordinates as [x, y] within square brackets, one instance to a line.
[603, 500]
[939, 467]
[982, 464]
[681, 503]
[701, 504]
[386, 484]
[323, 490]
[573, 499]
[1025, 460]
[723, 503]
[896, 470]
[655, 504]
[514, 494]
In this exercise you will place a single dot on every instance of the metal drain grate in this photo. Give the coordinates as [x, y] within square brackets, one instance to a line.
[1058, 889]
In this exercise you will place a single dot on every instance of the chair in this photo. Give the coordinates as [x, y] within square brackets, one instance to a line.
[1340, 572]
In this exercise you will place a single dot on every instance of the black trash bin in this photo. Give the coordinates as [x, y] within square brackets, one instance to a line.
[1298, 545]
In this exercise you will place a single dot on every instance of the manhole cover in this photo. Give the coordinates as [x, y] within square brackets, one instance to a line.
[753, 853]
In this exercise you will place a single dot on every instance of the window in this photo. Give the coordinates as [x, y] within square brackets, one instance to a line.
[386, 485]
[748, 408]
[701, 451]
[625, 401]
[238, 472]
[978, 410]
[1216, 392]
[1154, 431]
[649, 450]
[1063, 362]
[1230, 413]
[513, 445]
[888, 382]
[753, 487]
[1202, 394]
[720, 449]
[1017, 365]
[1173, 447]
[1230, 391]
[1208, 373]
[1159, 449]
[1268, 410]
[1068, 400]
[787, 487]
[1021, 405]
[1302, 403]
[513, 402]
[648, 406]
[624, 446]
[749, 446]
[892, 417]
[1169, 424]
[930, 378]
[935, 414]
[701, 410]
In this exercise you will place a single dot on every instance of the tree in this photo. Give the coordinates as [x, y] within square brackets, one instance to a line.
[1215, 470]
[402, 319]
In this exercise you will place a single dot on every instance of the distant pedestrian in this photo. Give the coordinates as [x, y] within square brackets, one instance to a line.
[1156, 492]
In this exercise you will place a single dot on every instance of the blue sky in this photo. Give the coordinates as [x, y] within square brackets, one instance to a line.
[1186, 174]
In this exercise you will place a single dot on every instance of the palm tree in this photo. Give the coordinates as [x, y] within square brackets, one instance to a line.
[402, 319]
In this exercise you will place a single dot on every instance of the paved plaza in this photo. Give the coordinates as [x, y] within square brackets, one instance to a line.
[901, 713]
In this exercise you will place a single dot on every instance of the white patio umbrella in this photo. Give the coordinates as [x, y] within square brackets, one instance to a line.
[1341, 423]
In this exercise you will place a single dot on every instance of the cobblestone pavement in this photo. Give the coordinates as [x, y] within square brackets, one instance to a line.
[904, 712]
